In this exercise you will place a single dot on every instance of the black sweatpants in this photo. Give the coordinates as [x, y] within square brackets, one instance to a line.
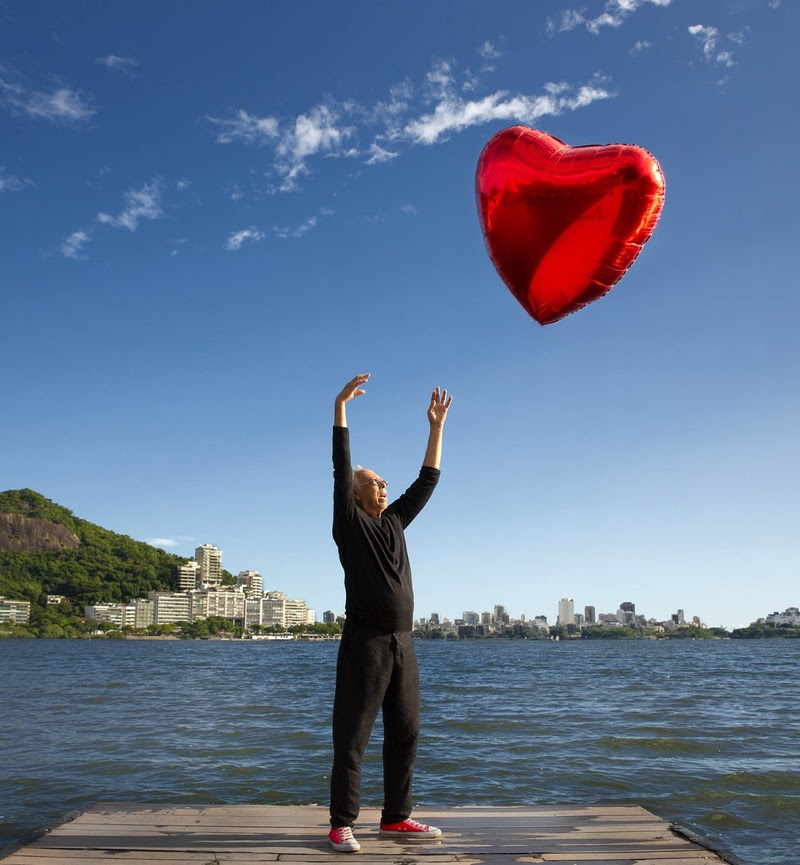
[375, 670]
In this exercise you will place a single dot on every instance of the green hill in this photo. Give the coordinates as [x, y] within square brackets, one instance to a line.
[46, 550]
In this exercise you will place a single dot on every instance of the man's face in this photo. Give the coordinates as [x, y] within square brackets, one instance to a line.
[369, 492]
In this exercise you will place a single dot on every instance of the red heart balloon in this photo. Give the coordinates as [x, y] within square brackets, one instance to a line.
[562, 224]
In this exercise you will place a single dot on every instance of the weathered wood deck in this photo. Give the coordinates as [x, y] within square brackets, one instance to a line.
[254, 834]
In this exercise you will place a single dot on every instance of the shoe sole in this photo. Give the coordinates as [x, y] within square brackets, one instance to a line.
[345, 848]
[421, 836]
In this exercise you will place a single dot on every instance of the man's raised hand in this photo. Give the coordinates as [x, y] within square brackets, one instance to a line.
[353, 388]
[437, 410]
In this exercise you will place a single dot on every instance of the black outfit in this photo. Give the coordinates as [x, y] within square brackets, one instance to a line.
[377, 666]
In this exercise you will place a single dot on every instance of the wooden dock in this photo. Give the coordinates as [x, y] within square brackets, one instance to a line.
[139, 834]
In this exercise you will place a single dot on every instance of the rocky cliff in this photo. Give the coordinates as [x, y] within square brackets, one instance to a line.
[19, 533]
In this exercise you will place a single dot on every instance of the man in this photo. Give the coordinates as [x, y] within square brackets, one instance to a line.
[377, 666]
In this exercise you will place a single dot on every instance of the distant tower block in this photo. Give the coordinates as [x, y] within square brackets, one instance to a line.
[210, 561]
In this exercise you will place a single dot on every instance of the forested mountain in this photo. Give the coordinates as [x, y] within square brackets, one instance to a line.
[45, 549]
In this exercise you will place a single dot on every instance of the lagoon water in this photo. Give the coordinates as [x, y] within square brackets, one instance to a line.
[704, 734]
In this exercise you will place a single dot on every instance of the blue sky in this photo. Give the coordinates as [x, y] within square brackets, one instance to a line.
[214, 215]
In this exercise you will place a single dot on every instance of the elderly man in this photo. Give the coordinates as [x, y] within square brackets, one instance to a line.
[377, 666]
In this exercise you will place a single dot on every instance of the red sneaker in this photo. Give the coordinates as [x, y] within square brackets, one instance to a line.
[408, 829]
[342, 839]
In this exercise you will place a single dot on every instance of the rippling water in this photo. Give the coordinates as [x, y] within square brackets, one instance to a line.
[704, 734]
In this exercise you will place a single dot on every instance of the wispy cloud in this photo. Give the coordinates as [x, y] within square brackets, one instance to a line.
[614, 14]
[144, 203]
[163, 542]
[237, 239]
[641, 45]
[296, 230]
[11, 183]
[73, 246]
[317, 132]
[426, 114]
[245, 127]
[125, 65]
[454, 114]
[489, 53]
[60, 105]
[709, 39]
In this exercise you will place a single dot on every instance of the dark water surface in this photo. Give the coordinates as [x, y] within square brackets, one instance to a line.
[704, 734]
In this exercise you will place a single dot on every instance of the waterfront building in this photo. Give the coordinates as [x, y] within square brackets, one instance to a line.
[566, 612]
[470, 618]
[225, 604]
[55, 599]
[251, 582]
[117, 614]
[170, 607]
[790, 616]
[296, 613]
[590, 615]
[500, 614]
[188, 576]
[486, 619]
[14, 612]
[209, 559]
[272, 610]
[144, 613]
[540, 624]
[328, 617]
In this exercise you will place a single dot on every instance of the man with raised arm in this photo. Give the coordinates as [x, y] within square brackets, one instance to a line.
[377, 666]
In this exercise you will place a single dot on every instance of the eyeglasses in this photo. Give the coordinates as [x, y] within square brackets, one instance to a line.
[376, 482]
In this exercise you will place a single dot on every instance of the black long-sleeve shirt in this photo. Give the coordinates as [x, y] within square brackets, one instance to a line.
[372, 550]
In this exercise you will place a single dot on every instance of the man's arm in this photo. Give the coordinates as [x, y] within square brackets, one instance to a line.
[437, 414]
[351, 390]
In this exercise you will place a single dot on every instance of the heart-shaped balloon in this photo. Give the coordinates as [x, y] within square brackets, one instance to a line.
[562, 224]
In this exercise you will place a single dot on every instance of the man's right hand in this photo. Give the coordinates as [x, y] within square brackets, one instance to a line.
[353, 388]
[350, 391]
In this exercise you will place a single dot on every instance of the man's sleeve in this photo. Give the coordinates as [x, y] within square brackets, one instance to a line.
[416, 496]
[343, 504]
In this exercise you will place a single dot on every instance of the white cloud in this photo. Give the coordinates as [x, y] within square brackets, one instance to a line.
[237, 239]
[126, 65]
[378, 154]
[11, 183]
[163, 542]
[489, 52]
[709, 38]
[409, 209]
[61, 105]
[640, 46]
[182, 184]
[614, 13]
[379, 133]
[144, 203]
[297, 230]
[313, 133]
[454, 114]
[72, 247]
[246, 127]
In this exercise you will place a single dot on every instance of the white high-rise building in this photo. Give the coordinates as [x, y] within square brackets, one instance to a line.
[566, 611]
[209, 560]
[188, 576]
[251, 581]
